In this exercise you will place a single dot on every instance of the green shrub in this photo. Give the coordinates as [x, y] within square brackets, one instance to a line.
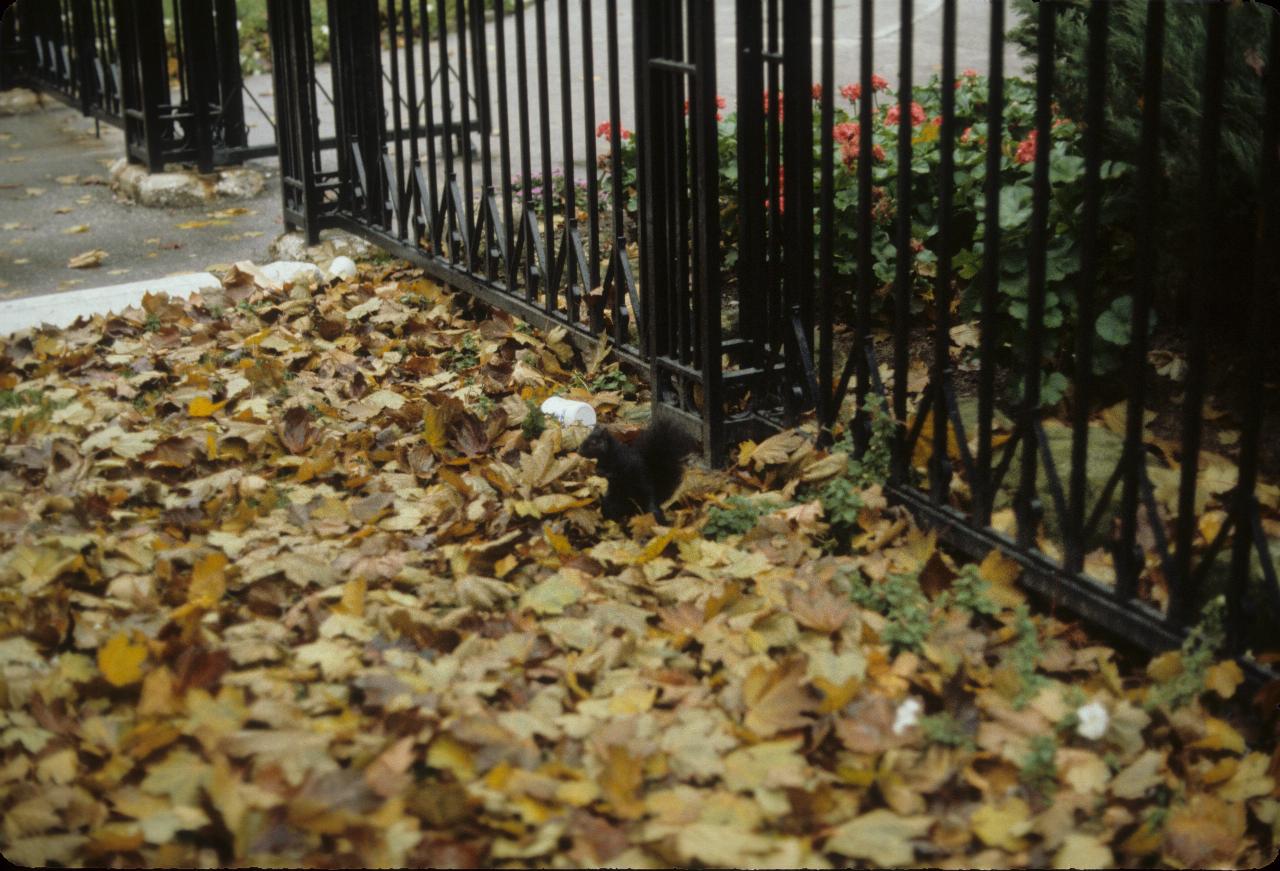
[1063, 267]
[1178, 212]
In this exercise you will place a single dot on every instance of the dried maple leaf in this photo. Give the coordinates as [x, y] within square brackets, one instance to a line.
[777, 699]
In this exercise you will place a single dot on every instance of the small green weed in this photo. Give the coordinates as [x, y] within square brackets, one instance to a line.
[969, 593]
[907, 609]
[739, 518]
[534, 423]
[1040, 769]
[873, 466]
[1198, 653]
[1024, 656]
[465, 356]
[944, 728]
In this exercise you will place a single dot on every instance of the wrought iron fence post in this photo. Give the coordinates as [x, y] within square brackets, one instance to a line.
[678, 180]
[82, 33]
[233, 133]
[145, 77]
[200, 71]
[358, 104]
[293, 80]
[13, 61]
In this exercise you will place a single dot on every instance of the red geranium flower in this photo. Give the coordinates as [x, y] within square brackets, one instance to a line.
[605, 131]
[852, 93]
[892, 116]
[817, 91]
[846, 131]
[1027, 149]
[879, 83]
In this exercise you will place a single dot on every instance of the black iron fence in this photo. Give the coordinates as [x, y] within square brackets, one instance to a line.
[761, 266]
[166, 71]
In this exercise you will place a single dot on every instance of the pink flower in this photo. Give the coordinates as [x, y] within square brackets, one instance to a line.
[879, 83]
[964, 137]
[817, 91]
[605, 131]
[846, 131]
[877, 152]
[892, 116]
[849, 153]
[1027, 149]
[970, 73]
[937, 121]
[852, 93]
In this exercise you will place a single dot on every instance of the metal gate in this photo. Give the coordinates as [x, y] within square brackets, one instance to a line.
[531, 219]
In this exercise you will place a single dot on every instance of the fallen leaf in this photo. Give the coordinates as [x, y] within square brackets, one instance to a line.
[87, 260]
[120, 660]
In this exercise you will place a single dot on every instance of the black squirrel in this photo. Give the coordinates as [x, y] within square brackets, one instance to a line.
[643, 474]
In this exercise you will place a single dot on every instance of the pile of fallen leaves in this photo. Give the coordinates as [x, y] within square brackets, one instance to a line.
[290, 576]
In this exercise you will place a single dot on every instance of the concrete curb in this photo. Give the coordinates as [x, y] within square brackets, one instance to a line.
[62, 309]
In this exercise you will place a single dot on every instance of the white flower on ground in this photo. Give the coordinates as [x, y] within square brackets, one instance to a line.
[907, 716]
[1093, 721]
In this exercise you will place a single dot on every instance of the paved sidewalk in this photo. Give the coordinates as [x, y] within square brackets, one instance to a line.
[55, 204]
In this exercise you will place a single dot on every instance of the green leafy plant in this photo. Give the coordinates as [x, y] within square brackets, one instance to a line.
[944, 728]
[904, 605]
[738, 518]
[1199, 651]
[1024, 656]
[1039, 769]
[969, 593]
[612, 379]
[534, 423]
[1018, 147]
[1177, 215]
[464, 355]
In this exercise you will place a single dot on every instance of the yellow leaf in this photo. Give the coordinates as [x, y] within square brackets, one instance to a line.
[121, 661]
[208, 579]
[1224, 678]
[559, 543]
[883, 837]
[447, 754]
[1165, 667]
[1220, 735]
[1002, 825]
[621, 778]
[433, 428]
[1250, 779]
[203, 406]
[1079, 850]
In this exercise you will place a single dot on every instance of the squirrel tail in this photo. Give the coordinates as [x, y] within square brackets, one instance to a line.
[668, 439]
[665, 447]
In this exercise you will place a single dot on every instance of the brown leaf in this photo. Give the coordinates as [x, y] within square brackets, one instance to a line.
[1205, 832]
[296, 430]
[776, 698]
